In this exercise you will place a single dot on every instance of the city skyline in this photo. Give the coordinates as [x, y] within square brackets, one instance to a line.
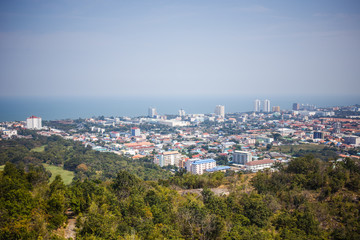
[74, 108]
[204, 48]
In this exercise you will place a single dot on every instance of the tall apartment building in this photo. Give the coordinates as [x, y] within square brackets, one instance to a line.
[276, 109]
[152, 112]
[200, 166]
[182, 113]
[242, 157]
[34, 122]
[337, 127]
[257, 105]
[169, 158]
[296, 107]
[266, 105]
[135, 131]
[220, 111]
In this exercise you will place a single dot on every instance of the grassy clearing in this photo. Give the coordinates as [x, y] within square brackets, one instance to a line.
[67, 176]
[296, 148]
[38, 149]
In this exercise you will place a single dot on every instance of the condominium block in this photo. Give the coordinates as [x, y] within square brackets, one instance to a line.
[169, 158]
[200, 166]
[220, 111]
[34, 122]
[242, 157]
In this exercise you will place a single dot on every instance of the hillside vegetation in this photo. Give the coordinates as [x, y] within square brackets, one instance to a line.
[66, 176]
[307, 199]
[73, 156]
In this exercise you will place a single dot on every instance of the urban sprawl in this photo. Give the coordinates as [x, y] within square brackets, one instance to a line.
[203, 143]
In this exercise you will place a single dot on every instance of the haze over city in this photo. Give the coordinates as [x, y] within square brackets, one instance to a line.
[171, 119]
[179, 48]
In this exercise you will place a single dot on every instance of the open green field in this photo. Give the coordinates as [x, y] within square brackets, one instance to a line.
[67, 176]
[296, 148]
[38, 149]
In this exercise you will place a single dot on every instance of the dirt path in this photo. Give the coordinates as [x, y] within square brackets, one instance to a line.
[70, 228]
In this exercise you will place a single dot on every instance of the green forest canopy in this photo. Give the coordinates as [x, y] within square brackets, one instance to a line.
[307, 199]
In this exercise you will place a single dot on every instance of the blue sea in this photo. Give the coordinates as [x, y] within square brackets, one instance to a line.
[56, 108]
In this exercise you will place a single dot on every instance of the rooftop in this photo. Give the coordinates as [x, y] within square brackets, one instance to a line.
[170, 152]
[259, 162]
[219, 168]
[203, 161]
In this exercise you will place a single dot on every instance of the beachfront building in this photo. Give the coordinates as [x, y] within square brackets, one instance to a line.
[34, 122]
[257, 105]
[266, 105]
[220, 111]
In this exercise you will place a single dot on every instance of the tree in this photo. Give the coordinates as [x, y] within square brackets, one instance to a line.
[255, 209]
[125, 183]
[268, 147]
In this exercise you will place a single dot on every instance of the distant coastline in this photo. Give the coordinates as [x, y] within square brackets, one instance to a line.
[55, 108]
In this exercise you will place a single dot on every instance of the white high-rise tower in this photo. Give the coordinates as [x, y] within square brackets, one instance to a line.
[152, 112]
[182, 113]
[33, 122]
[257, 105]
[220, 111]
[267, 105]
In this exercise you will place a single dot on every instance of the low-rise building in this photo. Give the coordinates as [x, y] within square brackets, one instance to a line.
[218, 169]
[352, 140]
[257, 165]
[8, 133]
[197, 166]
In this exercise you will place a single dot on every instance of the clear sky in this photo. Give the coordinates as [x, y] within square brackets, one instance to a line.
[183, 48]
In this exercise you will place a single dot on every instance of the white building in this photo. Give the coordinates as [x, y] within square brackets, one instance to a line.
[152, 112]
[9, 132]
[169, 158]
[267, 105]
[220, 111]
[182, 113]
[114, 134]
[257, 165]
[173, 123]
[241, 157]
[33, 123]
[135, 132]
[285, 131]
[257, 105]
[200, 166]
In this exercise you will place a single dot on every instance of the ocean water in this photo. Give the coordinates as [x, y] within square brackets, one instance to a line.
[51, 108]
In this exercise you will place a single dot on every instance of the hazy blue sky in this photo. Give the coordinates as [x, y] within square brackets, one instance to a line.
[166, 48]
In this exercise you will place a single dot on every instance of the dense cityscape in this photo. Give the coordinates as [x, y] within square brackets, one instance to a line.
[199, 120]
[266, 174]
[238, 141]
